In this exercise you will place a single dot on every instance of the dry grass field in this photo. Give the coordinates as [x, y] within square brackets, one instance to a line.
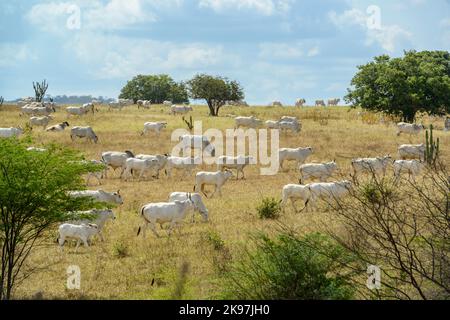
[124, 266]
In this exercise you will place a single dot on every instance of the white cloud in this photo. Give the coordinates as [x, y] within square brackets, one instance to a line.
[12, 54]
[281, 50]
[264, 7]
[387, 36]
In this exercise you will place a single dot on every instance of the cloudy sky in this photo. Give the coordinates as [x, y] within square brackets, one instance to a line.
[277, 49]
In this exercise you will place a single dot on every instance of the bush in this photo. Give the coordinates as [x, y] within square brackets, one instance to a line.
[269, 209]
[121, 250]
[290, 267]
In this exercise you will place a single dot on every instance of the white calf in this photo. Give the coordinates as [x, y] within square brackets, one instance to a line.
[247, 122]
[294, 192]
[412, 167]
[58, 127]
[412, 151]
[153, 126]
[159, 161]
[298, 155]
[180, 109]
[238, 163]
[40, 121]
[83, 132]
[97, 217]
[82, 233]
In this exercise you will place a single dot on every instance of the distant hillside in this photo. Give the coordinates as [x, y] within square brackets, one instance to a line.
[73, 99]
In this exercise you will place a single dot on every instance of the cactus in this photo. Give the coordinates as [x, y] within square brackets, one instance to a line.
[189, 123]
[1, 101]
[431, 148]
[40, 89]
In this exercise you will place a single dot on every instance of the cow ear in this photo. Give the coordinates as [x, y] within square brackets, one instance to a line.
[118, 191]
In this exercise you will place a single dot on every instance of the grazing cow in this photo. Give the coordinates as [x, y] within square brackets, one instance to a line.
[58, 127]
[276, 104]
[89, 106]
[412, 167]
[167, 103]
[196, 199]
[412, 151]
[187, 164]
[371, 165]
[197, 142]
[298, 155]
[289, 125]
[247, 122]
[321, 171]
[329, 191]
[126, 102]
[138, 164]
[10, 132]
[83, 132]
[319, 103]
[294, 192]
[174, 109]
[409, 128]
[238, 163]
[333, 102]
[40, 121]
[83, 232]
[300, 102]
[97, 217]
[144, 104]
[159, 161]
[162, 212]
[78, 111]
[97, 174]
[217, 179]
[116, 160]
[99, 195]
[153, 126]
[289, 119]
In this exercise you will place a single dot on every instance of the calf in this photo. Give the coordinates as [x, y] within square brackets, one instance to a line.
[298, 155]
[217, 179]
[153, 126]
[238, 163]
[40, 121]
[82, 233]
[247, 122]
[97, 217]
[321, 171]
[294, 192]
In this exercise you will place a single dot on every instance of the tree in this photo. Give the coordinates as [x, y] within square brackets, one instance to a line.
[417, 82]
[33, 198]
[215, 90]
[39, 90]
[156, 88]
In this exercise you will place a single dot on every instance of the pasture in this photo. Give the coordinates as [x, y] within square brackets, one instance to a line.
[125, 266]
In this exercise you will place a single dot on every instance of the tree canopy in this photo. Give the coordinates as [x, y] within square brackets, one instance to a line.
[34, 196]
[156, 88]
[417, 82]
[215, 90]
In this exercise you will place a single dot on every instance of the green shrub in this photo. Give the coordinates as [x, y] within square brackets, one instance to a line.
[289, 267]
[121, 250]
[269, 209]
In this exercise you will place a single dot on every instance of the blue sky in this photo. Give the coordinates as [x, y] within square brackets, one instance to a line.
[277, 49]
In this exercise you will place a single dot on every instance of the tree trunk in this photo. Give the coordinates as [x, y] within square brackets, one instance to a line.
[212, 110]
[409, 115]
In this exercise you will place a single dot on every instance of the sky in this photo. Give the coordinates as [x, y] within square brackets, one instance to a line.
[277, 49]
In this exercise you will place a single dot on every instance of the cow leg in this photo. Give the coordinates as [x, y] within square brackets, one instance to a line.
[293, 205]
[153, 227]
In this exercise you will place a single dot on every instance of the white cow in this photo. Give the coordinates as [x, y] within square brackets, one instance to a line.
[333, 102]
[82, 233]
[97, 174]
[409, 128]
[79, 111]
[412, 151]
[153, 126]
[144, 104]
[196, 199]
[329, 191]
[271, 124]
[174, 109]
[294, 192]
[126, 102]
[58, 127]
[99, 195]
[186, 164]
[197, 142]
[289, 125]
[116, 160]
[298, 155]
[97, 217]
[159, 161]
[217, 179]
[40, 121]
[141, 165]
[163, 212]
[276, 104]
[83, 132]
[300, 102]
[412, 167]
[167, 103]
[238, 163]
[247, 122]
[10, 132]
[321, 171]
[371, 165]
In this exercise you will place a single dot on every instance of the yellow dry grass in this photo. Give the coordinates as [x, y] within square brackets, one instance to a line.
[334, 133]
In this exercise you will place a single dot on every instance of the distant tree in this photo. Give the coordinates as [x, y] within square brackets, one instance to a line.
[33, 198]
[156, 88]
[417, 82]
[215, 90]
[40, 88]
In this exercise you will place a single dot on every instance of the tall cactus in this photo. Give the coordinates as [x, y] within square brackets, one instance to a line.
[432, 148]
[40, 89]
[189, 123]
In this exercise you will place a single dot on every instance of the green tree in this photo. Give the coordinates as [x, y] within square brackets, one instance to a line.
[156, 88]
[215, 90]
[417, 82]
[33, 198]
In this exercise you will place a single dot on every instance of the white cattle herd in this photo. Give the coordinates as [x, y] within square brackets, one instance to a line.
[180, 203]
